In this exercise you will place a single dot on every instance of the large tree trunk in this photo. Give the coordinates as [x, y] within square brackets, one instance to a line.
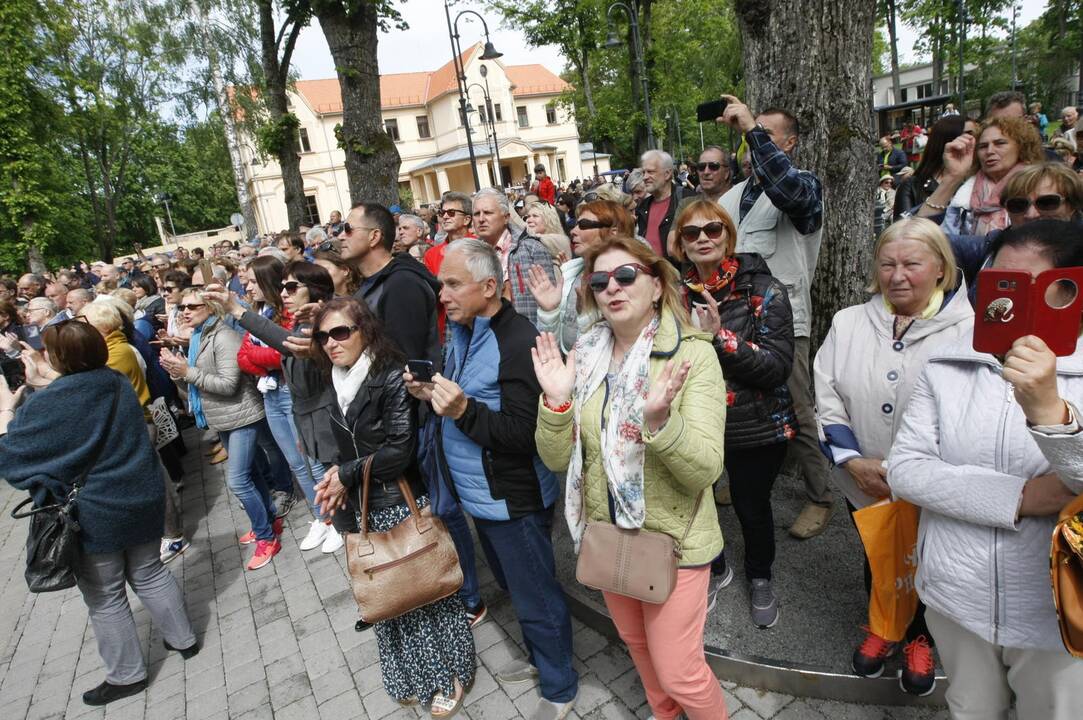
[372, 160]
[893, 41]
[275, 76]
[583, 61]
[811, 57]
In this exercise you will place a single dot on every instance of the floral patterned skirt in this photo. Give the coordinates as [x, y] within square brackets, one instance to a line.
[425, 650]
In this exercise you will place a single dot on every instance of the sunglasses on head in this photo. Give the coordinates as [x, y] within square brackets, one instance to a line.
[340, 333]
[713, 230]
[328, 246]
[450, 212]
[625, 275]
[191, 306]
[712, 166]
[292, 286]
[587, 224]
[1042, 203]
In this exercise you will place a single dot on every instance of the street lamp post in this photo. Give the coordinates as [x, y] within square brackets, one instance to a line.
[637, 58]
[165, 199]
[492, 123]
[489, 53]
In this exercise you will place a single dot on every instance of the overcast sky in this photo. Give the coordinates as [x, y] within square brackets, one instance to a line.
[425, 46]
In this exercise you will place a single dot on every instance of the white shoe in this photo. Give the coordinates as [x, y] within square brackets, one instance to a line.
[317, 533]
[333, 542]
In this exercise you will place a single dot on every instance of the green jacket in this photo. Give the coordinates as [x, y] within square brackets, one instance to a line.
[681, 461]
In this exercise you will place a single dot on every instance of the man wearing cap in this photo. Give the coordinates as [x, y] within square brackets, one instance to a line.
[544, 187]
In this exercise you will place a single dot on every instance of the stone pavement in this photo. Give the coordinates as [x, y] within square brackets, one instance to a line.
[279, 642]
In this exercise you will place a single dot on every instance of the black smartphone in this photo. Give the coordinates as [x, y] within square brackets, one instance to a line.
[14, 373]
[30, 335]
[710, 110]
[422, 370]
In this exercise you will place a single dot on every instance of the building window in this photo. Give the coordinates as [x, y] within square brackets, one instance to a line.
[561, 175]
[392, 128]
[423, 127]
[524, 121]
[902, 95]
[312, 211]
[481, 114]
[496, 112]
[551, 113]
[302, 140]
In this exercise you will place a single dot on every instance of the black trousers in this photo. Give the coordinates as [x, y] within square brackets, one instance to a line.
[752, 473]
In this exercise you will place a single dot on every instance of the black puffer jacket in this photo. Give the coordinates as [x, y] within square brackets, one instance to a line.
[381, 420]
[755, 348]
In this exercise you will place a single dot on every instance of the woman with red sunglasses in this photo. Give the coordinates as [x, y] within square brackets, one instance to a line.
[747, 312]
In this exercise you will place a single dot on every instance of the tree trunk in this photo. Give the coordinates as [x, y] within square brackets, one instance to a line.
[938, 56]
[893, 42]
[277, 102]
[811, 57]
[372, 160]
[583, 62]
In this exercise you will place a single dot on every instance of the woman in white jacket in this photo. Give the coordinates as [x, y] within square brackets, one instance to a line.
[991, 449]
[865, 371]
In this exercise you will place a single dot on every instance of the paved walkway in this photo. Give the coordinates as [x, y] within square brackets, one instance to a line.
[279, 642]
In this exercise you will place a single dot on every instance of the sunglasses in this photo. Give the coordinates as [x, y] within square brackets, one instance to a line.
[712, 166]
[292, 286]
[347, 228]
[585, 224]
[170, 288]
[332, 246]
[191, 306]
[1042, 203]
[449, 212]
[338, 334]
[625, 275]
[713, 230]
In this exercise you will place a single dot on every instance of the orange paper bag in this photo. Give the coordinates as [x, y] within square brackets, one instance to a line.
[889, 532]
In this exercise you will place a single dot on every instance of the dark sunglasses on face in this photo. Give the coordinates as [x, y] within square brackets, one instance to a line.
[625, 275]
[170, 288]
[291, 286]
[712, 166]
[587, 224]
[1042, 203]
[450, 212]
[190, 306]
[713, 230]
[340, 333]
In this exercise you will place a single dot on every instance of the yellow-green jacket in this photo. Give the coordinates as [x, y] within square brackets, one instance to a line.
[681, 461]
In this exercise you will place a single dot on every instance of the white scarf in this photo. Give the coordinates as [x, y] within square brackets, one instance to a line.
[348, 381]
[622, 440]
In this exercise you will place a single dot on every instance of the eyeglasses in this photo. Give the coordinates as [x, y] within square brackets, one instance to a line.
[338, 334]
[713, 230]
[625, 275]
[1042, 203]
[332, 246]
[450, 212]
[292, 286]
[712, 166]
[587, 224]
[347, 228]
[191, 306]
[170, 288]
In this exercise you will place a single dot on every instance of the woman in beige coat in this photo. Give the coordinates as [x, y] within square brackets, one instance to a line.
[865, 371]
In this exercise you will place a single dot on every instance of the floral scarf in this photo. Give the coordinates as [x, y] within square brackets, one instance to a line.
[622, 440]
[722, 277]
[985, 202]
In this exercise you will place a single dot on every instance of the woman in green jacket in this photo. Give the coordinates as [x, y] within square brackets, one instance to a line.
[641, 403]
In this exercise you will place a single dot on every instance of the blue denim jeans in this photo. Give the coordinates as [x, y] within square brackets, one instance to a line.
[456, 524]
[271, 465]
[250, 488]
[278, 405]
[520, 554]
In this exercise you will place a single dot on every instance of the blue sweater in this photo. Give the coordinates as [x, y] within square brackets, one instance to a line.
[51, 441]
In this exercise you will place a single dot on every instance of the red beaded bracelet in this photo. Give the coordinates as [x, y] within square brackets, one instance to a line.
[562, 408]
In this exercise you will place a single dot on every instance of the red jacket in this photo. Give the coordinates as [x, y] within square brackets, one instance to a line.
[260, 360]
[547, 191]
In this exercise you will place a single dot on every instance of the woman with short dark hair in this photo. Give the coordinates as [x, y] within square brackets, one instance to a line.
[121, 503]
[148, 303]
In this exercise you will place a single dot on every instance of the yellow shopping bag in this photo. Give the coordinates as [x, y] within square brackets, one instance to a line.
[889, 532]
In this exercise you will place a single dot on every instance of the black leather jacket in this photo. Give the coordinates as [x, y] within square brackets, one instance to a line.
[911, 194]
[381, 421]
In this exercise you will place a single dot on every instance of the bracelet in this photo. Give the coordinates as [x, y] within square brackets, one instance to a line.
[934, 206]
[562, 408]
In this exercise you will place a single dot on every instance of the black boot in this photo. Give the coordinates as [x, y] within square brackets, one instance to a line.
[361, 626]
[187, 653]
[107, 693]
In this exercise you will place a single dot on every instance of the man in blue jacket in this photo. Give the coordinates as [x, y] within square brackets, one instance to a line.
[487, 400]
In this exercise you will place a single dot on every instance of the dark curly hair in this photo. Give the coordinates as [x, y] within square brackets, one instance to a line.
[375, 338]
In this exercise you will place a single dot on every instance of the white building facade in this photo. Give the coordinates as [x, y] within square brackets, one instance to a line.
[420, 112]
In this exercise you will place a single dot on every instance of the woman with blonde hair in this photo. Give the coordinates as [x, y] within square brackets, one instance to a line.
[865, 373]
[634, 416]
[542, 219]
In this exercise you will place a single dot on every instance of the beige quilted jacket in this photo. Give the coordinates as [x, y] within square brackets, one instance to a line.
[682, 461]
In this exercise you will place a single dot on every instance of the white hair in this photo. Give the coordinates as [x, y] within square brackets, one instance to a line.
[415, 220]
[315, 235]
[665, 160]
[481, 259]
[498, 195]
[635, 179]
[275, 253]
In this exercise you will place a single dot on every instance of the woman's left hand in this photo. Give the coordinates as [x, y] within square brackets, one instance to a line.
[662, 392]
[330, 492]
[709, 319]
[1031, 367]
[176, 366]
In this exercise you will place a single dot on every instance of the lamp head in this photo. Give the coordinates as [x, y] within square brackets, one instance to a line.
[612, 40]
[490, 52]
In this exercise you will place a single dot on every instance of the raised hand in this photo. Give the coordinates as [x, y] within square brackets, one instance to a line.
[959, 156]
[1031, 367]
[663, 390]
[224, 299]
[556, 376]
[546, 293]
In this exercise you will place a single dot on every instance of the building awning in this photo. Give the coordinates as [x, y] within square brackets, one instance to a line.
[923, 102]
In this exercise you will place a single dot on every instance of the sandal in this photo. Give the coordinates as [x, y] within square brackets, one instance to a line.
[443, 707]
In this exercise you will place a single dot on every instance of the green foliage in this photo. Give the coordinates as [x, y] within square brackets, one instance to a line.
[272, 136]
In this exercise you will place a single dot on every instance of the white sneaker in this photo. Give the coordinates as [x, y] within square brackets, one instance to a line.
[317, 533]
[333, 542]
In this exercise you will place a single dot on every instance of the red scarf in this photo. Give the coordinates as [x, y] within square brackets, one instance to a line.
[722, 277]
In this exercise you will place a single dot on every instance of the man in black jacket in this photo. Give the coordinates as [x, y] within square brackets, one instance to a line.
[655, 213]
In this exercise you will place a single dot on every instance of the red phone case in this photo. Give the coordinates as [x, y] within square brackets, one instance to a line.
[1010, 305]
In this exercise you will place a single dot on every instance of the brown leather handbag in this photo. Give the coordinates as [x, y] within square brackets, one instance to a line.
[636, 563]
[1066, 566]
[411, 565]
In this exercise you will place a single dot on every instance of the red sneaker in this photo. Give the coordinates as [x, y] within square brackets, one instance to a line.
[869, 657]
[918, 676]
[265, 550]
[250, 537]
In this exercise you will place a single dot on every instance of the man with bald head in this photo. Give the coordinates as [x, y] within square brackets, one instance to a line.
[58, 293]
[31, 286]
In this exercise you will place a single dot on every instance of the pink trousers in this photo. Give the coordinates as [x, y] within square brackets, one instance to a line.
[666, 644]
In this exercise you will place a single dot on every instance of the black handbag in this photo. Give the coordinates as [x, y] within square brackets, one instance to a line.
[52, 544]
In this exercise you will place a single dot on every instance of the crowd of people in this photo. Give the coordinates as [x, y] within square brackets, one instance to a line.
[641, 350]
